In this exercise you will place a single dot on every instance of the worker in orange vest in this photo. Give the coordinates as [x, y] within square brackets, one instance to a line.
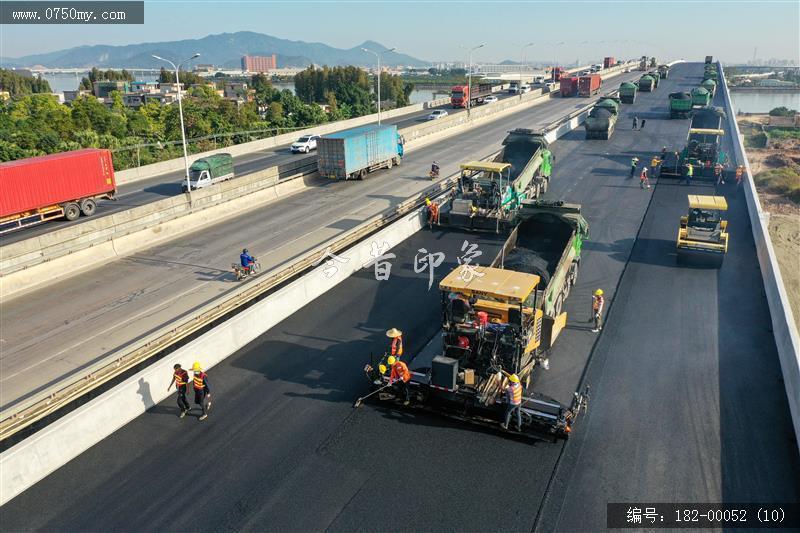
[597, 309]
[514, 401]
[399, 378]
[433, 212]
[396, 348]
[180, 378]
[644, 182]
[739, 175]
[201, 389]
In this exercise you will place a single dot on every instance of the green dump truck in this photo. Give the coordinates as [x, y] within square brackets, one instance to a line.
[647, 83]
[663, 71]
[710, 86]
[627, 92]
[680, 105]
[210, 170]
[602, 119]
[700, 97]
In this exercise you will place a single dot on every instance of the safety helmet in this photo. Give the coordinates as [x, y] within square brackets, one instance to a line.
[196, 367]
[598, 292]
[394, 333]
[244, 251]
[427, 201]
[392, 360]
[513, 378]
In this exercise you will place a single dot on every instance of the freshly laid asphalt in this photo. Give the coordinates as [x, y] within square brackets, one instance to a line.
[686, 405]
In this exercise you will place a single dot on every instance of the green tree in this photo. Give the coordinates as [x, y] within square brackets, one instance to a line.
[19, 85]
[782, 111]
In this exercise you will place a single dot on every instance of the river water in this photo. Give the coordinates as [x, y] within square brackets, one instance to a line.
[763, 101]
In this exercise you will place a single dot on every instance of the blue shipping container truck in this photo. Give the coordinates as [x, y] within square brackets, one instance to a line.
[350, 154]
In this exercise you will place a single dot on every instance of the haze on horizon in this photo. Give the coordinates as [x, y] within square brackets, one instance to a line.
[436, 31]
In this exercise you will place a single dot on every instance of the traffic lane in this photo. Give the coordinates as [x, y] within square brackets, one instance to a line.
[58, 330]
[596, 174]
[282, 408]
[684, 377]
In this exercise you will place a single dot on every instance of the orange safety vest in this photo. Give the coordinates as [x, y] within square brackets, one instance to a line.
[180, 377]
[597, 303]
[397, 346]
[199, 381]
[514, 394]
[400, 371]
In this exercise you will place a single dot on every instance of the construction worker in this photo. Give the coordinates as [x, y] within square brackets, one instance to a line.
[547, 162]
[689, 173]
[399, 378]
[201, 389]
[739, 175]
[598, 302]
[654, 163]
[433, 212]
[643, 180]
[514, 399]
[396, 348]
[635, 122]
[634, 163]
[180, 378]
[719, 173]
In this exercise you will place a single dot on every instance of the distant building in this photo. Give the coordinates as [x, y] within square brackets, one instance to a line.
[259, 63]
[102, 89]
[71, 96]
[204, 68]
[166, 88]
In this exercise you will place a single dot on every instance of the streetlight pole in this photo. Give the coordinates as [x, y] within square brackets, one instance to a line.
[378, 55]
[180, 112]
[519, 85]
[469, 75]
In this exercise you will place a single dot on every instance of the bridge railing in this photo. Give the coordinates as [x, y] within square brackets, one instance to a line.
[783, 324]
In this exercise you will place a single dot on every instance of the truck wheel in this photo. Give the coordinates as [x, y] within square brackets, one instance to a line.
[72, 211]
[559, 303]
[545, 182]
[397, 161]
[362, 174]
[88, 207]
[389, 164]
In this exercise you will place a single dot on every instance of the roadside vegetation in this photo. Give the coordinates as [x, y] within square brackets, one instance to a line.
[33, 123]
[774, 155]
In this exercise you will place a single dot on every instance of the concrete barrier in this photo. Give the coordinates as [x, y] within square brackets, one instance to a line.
[47, 450]
[34, 458]
[132, 175]
[783, 324]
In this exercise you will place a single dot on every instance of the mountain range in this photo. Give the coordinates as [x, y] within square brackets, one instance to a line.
[223, 50]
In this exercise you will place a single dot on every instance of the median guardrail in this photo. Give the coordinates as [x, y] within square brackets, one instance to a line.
[784, 328]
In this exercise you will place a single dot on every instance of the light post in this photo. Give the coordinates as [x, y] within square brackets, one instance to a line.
[180, 112]
[469, 75]
[519, 85]
[378, 55]
[552, 69]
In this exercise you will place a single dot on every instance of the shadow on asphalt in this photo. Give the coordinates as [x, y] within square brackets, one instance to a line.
[164, 189]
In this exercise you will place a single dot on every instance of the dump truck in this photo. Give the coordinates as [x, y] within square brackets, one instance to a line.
[498, 321]
[460, 94]
[710, 86]
[609, 62]
[627, 92]
[710, 73]
[700, 97]
[702, 148]
[663, 71]
[680, 105]
[489, 193]
[602, 119]
[703, 234]
[210, 170]
[643, 63]
[709, 60]
[656, 78]
[49, 187]
[647, 83]
[353, 153]
[589, 85]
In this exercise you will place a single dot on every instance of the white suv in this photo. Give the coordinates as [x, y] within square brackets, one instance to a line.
[305, 144]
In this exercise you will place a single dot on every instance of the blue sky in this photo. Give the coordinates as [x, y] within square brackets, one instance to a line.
[434, 30]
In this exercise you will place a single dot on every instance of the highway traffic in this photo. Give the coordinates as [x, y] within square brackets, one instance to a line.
[679, 400]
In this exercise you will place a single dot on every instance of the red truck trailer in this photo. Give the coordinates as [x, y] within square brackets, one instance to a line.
[43, 188]
[459, 94]
[557, 72]
[589, 85]
[569, 86]
[609, 62]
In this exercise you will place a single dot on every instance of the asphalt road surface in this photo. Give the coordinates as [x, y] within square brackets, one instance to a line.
[51, 333]
[687, 405]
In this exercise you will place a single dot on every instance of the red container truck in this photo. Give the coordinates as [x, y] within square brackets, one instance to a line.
[589, 85]
[569, 86]
[557, 72]
[43, 188]
[459, 94]
[609, 62]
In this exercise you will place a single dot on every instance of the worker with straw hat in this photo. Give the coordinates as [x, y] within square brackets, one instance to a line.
[396, 348]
